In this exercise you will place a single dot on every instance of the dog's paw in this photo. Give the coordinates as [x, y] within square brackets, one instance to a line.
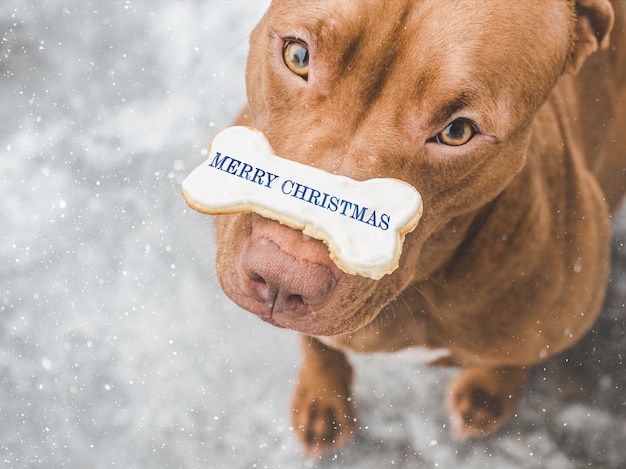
[480, 400]
[323, 414]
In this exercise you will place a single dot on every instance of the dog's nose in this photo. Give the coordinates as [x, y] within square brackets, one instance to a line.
[282, 282]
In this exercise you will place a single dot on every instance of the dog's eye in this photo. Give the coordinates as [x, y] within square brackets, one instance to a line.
[296, 57]
[456, 133]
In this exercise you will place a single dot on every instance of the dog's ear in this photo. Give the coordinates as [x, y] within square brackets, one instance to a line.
[594, 21]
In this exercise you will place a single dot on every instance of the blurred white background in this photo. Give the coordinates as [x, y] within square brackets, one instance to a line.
[117, 347]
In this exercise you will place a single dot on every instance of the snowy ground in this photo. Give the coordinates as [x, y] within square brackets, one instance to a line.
[117, 348]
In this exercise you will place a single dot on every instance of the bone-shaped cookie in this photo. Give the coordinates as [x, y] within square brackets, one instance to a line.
[363, 223]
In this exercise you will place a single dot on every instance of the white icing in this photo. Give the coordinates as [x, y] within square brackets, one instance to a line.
[363, 223]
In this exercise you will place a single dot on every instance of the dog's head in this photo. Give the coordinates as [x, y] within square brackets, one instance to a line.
[440, 94]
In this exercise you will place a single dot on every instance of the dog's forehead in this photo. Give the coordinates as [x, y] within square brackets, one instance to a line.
[462, 16]
[460, 45]
[428, 25]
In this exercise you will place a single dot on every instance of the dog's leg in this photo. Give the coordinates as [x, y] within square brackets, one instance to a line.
[323, 412]
[482, 399]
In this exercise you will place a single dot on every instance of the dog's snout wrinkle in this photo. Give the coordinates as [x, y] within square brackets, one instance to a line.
[283, 283]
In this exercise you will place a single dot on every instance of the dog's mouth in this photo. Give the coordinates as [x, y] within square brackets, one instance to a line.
[289, 312]
[283, 290]
[328, 320]
[287, 279]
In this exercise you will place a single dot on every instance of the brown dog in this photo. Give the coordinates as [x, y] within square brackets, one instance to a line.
[519, 152]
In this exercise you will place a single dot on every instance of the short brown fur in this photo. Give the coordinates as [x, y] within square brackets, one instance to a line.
[509, 264]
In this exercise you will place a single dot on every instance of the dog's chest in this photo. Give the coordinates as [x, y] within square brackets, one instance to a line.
[416, 354]
[422, 355]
